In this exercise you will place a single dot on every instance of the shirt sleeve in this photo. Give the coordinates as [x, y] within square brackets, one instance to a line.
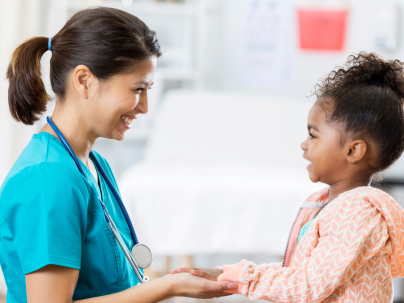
[45, 207]
[346, 243]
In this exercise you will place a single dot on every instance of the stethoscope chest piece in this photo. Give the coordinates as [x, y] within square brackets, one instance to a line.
[142, 255]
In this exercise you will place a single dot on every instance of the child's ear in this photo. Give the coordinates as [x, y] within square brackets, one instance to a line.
[356, 151]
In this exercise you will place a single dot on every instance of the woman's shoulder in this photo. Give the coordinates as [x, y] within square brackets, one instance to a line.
[46, 171]
[46, 187]
[42, 150]
[43, 174]
[43, 168]
[44, 178]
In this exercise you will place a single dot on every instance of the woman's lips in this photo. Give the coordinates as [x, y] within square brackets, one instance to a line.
[127, 121]
[127, 126]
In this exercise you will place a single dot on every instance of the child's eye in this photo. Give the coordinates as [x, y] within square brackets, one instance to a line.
[312, 136]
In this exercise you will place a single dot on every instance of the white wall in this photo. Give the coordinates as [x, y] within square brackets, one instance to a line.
[308, 66]
[24, 18]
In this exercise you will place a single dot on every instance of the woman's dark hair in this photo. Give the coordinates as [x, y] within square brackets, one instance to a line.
[365, 99]
[108, 41]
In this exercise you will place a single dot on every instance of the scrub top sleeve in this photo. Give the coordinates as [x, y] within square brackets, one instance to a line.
[47, 216]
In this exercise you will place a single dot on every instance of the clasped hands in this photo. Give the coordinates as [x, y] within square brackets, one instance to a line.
[202, 283]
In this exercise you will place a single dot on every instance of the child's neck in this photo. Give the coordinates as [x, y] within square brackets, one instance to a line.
[343, 186]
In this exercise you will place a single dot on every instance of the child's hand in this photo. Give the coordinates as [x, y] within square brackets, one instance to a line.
[209, 274]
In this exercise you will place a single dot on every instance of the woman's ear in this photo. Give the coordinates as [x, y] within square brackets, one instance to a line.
[356, 151]
[83, 80]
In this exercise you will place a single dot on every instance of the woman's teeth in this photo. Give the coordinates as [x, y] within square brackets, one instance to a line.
[127, 120]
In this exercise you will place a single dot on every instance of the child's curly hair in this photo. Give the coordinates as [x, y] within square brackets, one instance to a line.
[366, 98]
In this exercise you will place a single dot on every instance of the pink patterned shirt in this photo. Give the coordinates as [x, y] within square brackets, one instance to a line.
[350, 253]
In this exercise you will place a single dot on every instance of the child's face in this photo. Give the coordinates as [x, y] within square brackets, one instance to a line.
[323, 148]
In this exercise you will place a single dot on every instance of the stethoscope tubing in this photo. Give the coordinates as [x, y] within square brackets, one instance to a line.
[104, 175]
[105, 211]
[125, 249]
[117, 197]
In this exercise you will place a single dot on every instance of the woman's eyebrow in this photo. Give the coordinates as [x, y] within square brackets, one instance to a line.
[143, 82]
[312, 126]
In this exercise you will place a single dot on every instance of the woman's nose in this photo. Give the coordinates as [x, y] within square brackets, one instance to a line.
[143, 105]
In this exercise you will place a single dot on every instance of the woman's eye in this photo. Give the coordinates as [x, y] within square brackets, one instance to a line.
[138, 90]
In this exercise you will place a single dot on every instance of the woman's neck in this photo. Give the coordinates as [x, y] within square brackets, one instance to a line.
[75, 129]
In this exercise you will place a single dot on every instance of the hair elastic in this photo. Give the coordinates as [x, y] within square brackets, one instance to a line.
[49, 43]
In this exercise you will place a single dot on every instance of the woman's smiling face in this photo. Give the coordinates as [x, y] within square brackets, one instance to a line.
[120, 99]
[323, 148]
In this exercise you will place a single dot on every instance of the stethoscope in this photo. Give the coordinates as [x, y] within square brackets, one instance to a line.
[141, 255]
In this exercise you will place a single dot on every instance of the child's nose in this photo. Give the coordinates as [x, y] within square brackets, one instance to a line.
[303, 146]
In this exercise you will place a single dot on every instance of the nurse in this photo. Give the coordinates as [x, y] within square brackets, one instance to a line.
[56, 245]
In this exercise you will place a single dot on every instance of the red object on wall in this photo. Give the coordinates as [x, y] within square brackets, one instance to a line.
[322, 29]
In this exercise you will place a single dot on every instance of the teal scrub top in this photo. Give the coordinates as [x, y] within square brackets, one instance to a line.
[50, 214]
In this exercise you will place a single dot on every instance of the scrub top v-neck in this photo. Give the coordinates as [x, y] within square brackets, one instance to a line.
[50, 214]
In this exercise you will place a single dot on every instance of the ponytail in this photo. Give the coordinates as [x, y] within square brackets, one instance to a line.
[27, 97]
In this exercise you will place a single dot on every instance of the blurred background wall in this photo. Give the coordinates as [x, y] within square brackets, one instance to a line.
[220, 50]
[202, 43]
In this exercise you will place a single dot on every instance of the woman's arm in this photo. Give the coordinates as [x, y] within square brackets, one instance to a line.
[56, 284]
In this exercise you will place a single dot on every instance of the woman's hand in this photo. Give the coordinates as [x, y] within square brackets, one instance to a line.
[187, 285]
[56, 284]
[209, 274]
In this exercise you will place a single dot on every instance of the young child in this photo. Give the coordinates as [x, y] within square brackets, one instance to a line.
[347, 243]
